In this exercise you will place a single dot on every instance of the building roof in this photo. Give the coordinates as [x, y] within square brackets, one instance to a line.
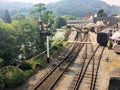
[78, 21]
[89, 16]
[107, 20]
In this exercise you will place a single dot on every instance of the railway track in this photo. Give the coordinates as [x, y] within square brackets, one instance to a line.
[50, 80]
[86, 76]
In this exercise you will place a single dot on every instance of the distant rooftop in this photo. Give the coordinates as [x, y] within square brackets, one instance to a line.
[79, 21]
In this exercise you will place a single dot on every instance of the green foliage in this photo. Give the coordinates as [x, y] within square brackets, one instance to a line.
[7, 17]
[28, 73]
[21, 37]
[18, 17]
[8, 47]
[35, 62]
[1, 60]
[28, 38]
[80, 8]
[58, 47]
[60, 22]
[57, 41]
[2, 84]
[101, 13]
[13, 76]
[25, 66]
[65, 43]
[38, 8]
[67, 17]
[37, 11]
[47, 16]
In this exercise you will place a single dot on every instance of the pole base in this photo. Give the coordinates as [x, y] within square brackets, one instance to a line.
[48, 60]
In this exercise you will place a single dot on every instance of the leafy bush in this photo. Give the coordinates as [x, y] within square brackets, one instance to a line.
[13, 76]
[60, 45]
[35, 62]
[25, 66]
[1, 62]
[55, 48]
[65, 43]
[28, 73]
[2, 84]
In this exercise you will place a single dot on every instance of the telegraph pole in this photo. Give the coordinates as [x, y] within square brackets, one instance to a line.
[47, 34]
[47, 26]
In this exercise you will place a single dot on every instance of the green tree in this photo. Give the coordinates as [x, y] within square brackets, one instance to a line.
[7, 18]
[60, 22]
[27, 37]
[8, 47]
[38, 8]
[13, 76]
[67, 17]
[49, 18]
[101, 13]
[18, 38]
[46, 16]
[18, 17]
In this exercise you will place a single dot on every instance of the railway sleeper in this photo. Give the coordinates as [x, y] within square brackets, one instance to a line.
[68, 59]
[54, 64]
[84, 88]
[96, 88]
[61, 68]
[90, 71]
[90, 74]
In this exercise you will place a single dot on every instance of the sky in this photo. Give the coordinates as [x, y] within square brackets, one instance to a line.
[111, 2]
[36, 1]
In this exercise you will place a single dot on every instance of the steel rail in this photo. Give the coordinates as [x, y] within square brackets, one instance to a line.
[47, 75]
[80, 80]
[53, 85]
[94, 83]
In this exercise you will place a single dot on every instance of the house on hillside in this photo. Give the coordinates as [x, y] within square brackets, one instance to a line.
[78, 22]
[89, 16]
[109, 21]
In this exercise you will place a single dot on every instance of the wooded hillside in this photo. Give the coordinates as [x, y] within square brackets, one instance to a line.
[81, 7]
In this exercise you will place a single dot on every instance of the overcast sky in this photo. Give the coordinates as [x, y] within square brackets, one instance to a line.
[36, 1]
[111, 2]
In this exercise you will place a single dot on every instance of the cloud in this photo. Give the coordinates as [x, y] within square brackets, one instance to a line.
[112, 2]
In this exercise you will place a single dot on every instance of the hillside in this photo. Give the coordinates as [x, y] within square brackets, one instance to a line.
[14, 7]
[80, 8]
